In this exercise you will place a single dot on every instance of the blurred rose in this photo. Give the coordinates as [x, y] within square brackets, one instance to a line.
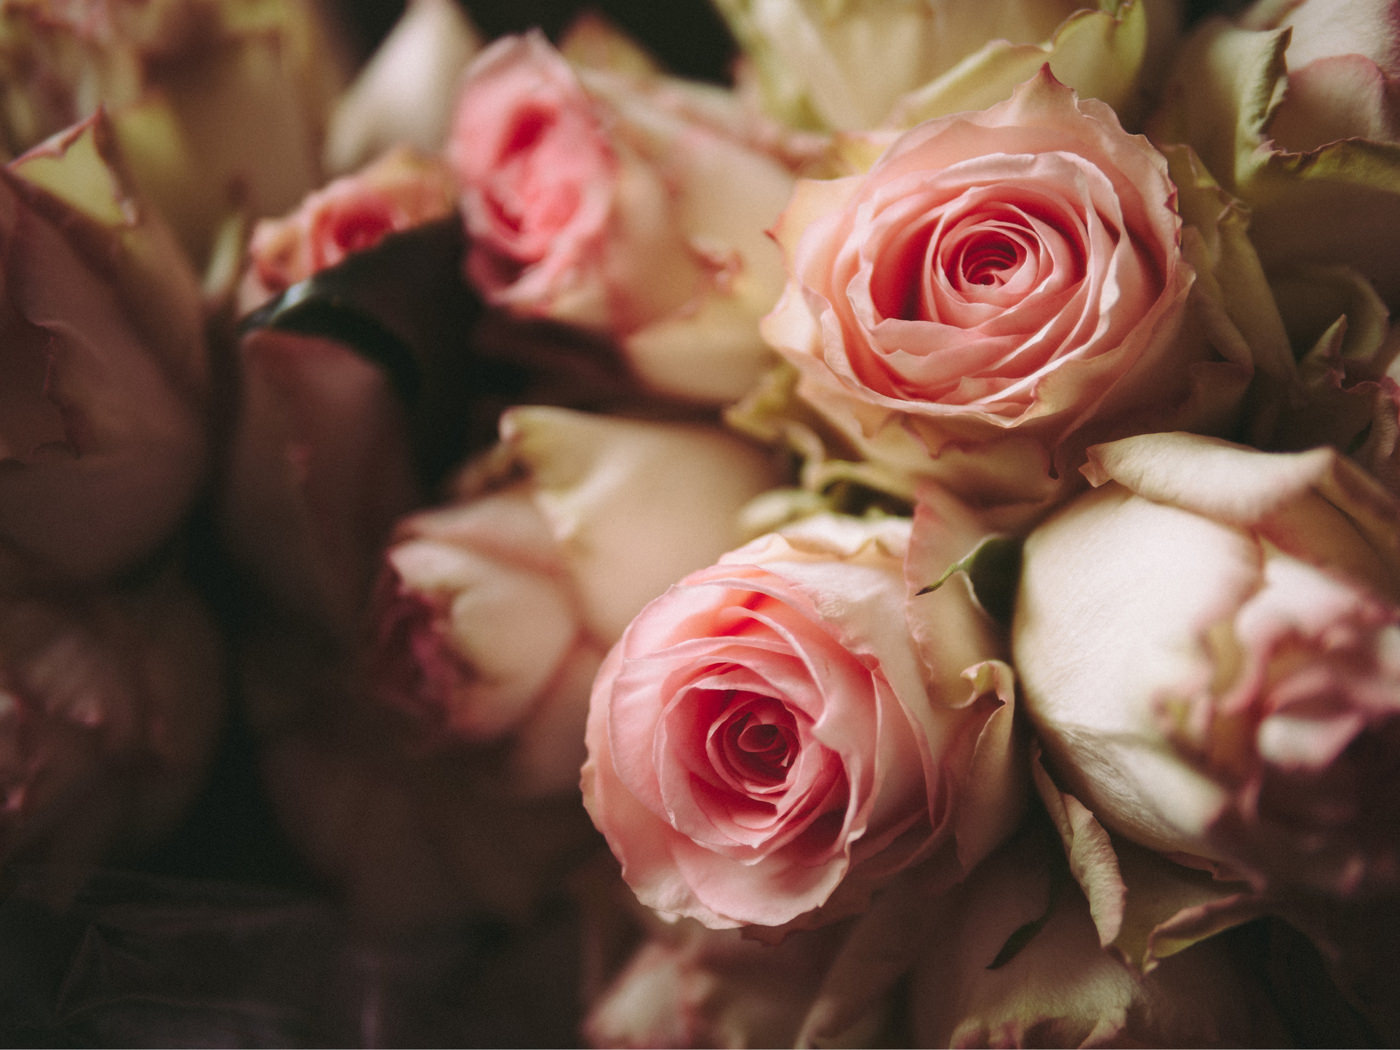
[410, 839]
[400, 189]
[110, 704]
[1061, 988]
[495, 611]
[998, 283]
[405, 93]
[1293, 106]
[1343, 70]
[320, 469]
[1210, 651]
[220, 105]
[687, 985]
[103, 443]
[848, 65]
[629, 203]
[771, 739]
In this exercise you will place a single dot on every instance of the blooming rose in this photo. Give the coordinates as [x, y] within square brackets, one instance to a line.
[398, 190]
[972, 986]
[770, 738]
[102, 437]
[110, 704]
[495, 610]
[1210, 651]
[850, 65]
[998, 286]
[219, 105]
[631, 204]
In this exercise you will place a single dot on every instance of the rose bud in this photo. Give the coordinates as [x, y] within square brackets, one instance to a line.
[634, 205]
[1209, 647]
[110, 704]
[1014, 959]
[399, 190]
[850, 68]
[494, 611]
[1001, 284]
[102, 431]
[772, 739]
[406, 92]
[219, 105]
[1292, 104]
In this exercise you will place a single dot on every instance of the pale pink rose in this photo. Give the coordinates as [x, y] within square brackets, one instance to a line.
[494, 610]
[981, 981]
[103, 435]
[632, 204]
[769, 742]
[400, 189]
[1210, 651]
[111, 704]
[996, 284]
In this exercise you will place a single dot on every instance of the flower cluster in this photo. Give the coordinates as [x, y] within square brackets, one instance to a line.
[903, 545]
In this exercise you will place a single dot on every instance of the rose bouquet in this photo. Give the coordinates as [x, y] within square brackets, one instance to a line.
[893, 539]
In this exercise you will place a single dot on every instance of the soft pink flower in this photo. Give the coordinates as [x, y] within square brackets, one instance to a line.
[399, 190]
[997, 283]
[1210, 650]
[769, 740]
[631, 204]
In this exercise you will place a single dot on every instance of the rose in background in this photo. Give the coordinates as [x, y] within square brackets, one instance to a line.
[436, 774]
[406, 91]
[111, 701]
[397, 190]
[624, 201]
[1291, 104]
[104, 419]
[201, 94]
[803, 741]
[1001, 288]
[855, 65]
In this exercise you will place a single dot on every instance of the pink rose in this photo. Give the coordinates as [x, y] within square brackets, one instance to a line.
[1210, 651]
[770, 739]
[631, 204]
[494, 611]
[399, 190]
[103, 435]
[998, 285]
